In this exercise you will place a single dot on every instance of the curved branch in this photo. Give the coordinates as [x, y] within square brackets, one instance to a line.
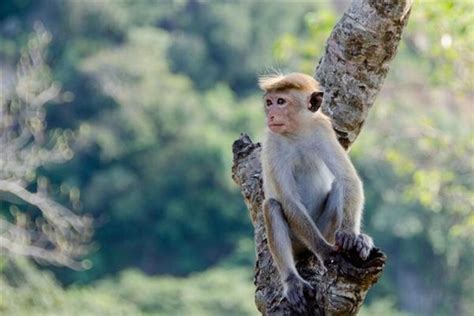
[62, 217]
[59, 240]
[356, 61]
[11, 247]
[352, 72]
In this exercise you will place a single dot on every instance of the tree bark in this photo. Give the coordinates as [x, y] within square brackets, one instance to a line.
[352, 72]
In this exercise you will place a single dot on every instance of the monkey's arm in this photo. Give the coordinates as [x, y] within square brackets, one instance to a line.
[337, 161]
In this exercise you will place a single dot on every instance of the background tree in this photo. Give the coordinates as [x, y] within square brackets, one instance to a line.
[53, 233]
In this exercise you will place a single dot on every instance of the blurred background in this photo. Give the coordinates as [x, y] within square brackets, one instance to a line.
[116, 125]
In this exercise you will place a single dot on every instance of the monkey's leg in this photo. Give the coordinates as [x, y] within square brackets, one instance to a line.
[305, 229]
[330, 218]
[278, 236]
[279, 242]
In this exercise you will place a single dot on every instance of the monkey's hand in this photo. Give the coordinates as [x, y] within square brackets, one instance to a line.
[361, 242]
[294, 289]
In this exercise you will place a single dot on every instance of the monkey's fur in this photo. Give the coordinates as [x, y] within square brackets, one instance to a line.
[314, 197]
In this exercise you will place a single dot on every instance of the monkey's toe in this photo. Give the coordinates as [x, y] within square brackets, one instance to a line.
[364, 254]
[359, 245]
[349, 242]
[339, 239]
[364, 251]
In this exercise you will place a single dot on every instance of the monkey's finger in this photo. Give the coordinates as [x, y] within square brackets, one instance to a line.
[353, 242]
[347, 242]
[360, 245]
[341, 241]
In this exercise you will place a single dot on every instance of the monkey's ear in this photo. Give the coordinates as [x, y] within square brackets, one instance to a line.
[315, 101]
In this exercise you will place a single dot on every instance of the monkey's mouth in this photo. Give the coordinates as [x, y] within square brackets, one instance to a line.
[275, 125]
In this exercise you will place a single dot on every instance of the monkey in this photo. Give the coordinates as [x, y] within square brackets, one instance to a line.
[313, 194]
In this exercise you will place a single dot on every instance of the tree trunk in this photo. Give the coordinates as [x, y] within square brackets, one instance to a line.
[352, 72]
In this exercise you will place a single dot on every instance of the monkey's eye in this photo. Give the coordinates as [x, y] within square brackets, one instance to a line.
[280, 101]
[269, 102]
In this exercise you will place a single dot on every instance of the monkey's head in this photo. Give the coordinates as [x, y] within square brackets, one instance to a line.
[290, 101]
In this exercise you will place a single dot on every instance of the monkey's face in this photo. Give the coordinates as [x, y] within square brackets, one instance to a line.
[283, 112]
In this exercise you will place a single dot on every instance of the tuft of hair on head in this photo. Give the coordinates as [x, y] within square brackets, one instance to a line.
[295, 80]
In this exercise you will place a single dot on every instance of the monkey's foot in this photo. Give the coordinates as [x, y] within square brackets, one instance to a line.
[322, 267]
[362, 243]
[295, 288]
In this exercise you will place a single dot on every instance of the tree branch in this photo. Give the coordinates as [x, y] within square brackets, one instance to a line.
[63, 218]
[356, 61]
[352, 71]
[58, 240]
[56, 235]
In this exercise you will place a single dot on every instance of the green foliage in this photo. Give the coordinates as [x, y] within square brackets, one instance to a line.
[214, 292]
[301, 53]
[443, 50]
[217, 291]
[14, 6]
[417, 211]
[229, 43]
[152, 166]
[384, 306]
[31, 292]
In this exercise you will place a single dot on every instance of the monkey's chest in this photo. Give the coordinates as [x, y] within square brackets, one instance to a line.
[313, 180]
